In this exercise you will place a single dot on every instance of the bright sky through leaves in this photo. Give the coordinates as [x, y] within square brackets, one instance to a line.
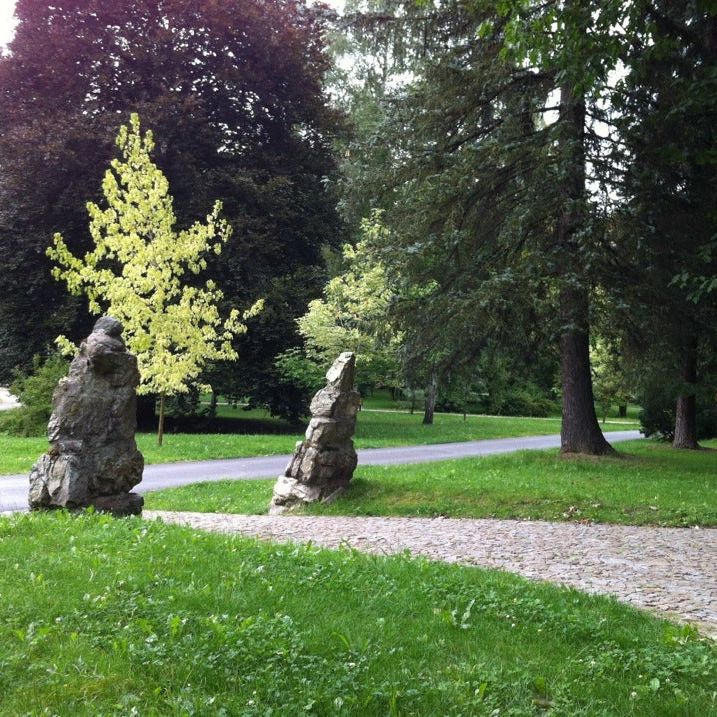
[7, 23]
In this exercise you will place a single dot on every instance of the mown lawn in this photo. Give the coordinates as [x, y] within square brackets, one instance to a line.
[125, 617]
[374, 429]
[648, 483]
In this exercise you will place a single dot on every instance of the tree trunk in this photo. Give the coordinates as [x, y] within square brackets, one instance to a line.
[622, 410]
[413, 401]
[580, 431]
[160, 427]
[686, 412]
[430, 405]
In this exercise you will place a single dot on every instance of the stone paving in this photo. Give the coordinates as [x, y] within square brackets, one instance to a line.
[671, 571]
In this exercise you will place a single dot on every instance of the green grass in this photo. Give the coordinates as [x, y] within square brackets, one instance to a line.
[123, 617]
[374, 430]
[649, 484]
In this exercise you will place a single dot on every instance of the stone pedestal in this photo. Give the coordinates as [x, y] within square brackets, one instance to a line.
[324, 462]
[93, 458]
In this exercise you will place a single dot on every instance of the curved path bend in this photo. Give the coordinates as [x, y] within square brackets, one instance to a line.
[13, 489]
[670, 571]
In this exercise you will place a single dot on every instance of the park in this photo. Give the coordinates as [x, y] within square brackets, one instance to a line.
[358, 358]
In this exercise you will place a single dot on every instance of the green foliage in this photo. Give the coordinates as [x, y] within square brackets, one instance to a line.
[666, 165]
[34, 390]
[657, 416]
[647, 483]
[103, 616]
[611, 384]
[297, 368]
[493, 237]
[523, 399]
[140, 272]
[353, 314]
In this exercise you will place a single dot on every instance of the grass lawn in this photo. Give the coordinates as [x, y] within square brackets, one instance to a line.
[124, 617]
[374, 429]
[650, 483]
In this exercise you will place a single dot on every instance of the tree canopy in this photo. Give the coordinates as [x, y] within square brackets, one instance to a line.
[139, 268]
[234, 93]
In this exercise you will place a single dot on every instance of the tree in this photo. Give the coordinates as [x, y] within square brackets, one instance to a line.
[138, 268]
[610, 377]
[353, 314]
[665, 105]
[486, 191]
[233, 91]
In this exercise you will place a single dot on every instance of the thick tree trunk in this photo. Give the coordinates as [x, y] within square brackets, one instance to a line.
[160, 427]
[622, 410]
[430, 405]
[686, 413]
[413, 401]
[580, 431]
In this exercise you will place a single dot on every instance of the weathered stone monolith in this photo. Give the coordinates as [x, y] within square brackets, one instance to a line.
[93, 458]
[324, 462]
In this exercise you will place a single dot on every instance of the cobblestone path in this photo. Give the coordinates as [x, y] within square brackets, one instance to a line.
[672, 571]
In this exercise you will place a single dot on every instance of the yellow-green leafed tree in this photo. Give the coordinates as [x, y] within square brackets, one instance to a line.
[137, 268]
[353, 315]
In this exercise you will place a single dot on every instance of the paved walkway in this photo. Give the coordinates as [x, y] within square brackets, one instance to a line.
[13, 489]
[671, 571]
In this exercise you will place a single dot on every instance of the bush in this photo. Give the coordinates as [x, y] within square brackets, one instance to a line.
[657, 418]
[34, 390]
[526, 399]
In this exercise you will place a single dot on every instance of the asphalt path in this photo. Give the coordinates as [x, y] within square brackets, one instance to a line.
[13, 489]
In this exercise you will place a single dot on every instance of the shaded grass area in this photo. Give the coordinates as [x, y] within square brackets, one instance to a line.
[374, 430]
[648, 483]
[121, 617]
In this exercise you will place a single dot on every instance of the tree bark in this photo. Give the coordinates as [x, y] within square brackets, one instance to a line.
[430, 405]
[622, 410]
[686, 409]
[160, 427]
[580, 431]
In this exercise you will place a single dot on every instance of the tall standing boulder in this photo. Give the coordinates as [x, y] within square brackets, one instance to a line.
[324, 462]
[93, 458]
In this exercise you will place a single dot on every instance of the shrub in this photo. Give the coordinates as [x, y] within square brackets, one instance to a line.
[526, 399]
[657, 418]
[34, 390]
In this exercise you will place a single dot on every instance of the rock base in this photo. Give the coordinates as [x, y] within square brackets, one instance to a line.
[119, 505]
[290, 493]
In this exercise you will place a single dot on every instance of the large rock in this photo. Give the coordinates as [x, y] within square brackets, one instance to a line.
[93, 458]
[324, 462]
